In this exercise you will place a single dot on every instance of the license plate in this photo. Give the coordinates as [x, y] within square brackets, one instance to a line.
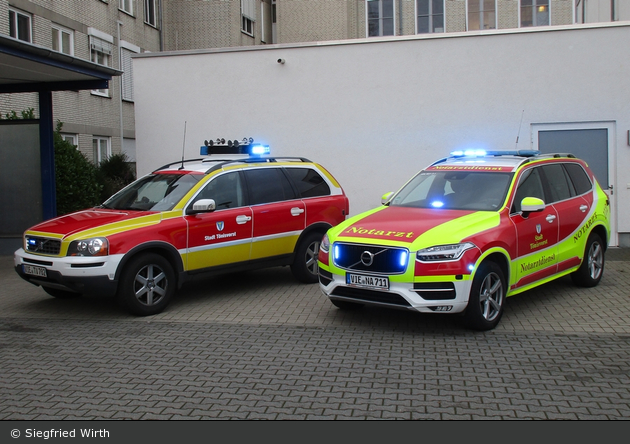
[34, 271]
[360, 280]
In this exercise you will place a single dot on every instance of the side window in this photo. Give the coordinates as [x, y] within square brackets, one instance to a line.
[226, 190]
[530, 185]
[558, 183]
[308, 182]
[268, 185]
[579, 178]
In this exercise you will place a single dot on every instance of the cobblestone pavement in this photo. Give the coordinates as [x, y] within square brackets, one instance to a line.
[260, 346]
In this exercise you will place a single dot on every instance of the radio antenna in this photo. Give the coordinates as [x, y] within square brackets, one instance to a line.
[183, 146]
[519, 130]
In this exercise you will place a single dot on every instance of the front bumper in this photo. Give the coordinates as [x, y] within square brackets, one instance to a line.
[86, 275]
[449, 295]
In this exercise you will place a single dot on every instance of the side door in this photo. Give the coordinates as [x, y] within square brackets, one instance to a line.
[536, 232]
[279, 215]
[223, 236]
[572, 213]
[315, 194]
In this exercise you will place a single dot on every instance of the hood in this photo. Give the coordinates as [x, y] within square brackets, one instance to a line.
[93, 219]
[415, 227]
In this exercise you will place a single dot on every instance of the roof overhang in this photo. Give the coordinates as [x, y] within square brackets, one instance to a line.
[25, 67]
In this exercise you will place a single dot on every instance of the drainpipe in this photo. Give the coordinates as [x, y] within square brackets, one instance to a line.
[120, 99]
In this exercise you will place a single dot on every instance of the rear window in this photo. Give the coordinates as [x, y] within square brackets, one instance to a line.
[308, 182]
[578, 176]
[559, 187]
[268, 185]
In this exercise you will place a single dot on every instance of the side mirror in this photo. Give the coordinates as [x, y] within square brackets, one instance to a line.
[203, 206]
[532, 205]
[385, 198]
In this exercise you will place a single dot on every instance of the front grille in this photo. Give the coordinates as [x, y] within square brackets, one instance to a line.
[362, 295]
[42, 245]
[370, 258]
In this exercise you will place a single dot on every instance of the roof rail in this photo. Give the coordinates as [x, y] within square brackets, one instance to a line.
[182, 162]
[251, 160]
[558, 155]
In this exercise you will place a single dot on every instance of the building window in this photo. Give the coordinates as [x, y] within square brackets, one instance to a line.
[482, 14]
[101, 149]
[127, 75]
[534, 13]
[101, 54]
[62, 39]
[247, 26]
[430, 16]
[380, 17]
[20, 25]
[71, 138]
[248, 16]
[126, 6]
[150, 12]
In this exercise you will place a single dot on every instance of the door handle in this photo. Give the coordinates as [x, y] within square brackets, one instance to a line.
[296, 211]
[242, 219]
[550, 218]
[583, 208]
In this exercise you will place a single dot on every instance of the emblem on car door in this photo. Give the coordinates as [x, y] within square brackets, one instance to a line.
[220, 226]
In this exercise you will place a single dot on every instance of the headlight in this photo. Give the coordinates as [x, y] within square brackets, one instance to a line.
[97, 246]
[443, 252]
[325, 245]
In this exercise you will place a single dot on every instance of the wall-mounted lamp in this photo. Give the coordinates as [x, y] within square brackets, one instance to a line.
[281, 61]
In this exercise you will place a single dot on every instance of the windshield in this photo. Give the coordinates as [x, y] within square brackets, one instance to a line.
[455, 190]
[156, 192]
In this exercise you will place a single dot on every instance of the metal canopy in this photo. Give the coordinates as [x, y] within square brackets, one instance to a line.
[25, 67]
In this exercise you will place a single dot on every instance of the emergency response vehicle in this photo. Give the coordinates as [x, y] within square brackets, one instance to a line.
[469, 231]
[238, 208]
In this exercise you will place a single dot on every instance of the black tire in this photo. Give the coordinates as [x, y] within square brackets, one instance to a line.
[592, 269]
[147, 285]
[304, 266]
[487, 296]
[346, 305]
[61, 294]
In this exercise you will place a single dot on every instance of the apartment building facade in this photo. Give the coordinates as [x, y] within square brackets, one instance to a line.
[109, 32]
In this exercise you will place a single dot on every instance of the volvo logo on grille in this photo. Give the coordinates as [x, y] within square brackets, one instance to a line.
[367, 258]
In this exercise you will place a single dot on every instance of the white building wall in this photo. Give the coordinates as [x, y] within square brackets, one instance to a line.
[375, 111]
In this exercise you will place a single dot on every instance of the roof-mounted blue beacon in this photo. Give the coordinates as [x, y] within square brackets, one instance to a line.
[245, 146]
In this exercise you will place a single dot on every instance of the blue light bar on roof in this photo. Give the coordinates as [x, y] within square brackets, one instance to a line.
[482, 153]
[245, 146]
[469, 153]
[259, 150]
